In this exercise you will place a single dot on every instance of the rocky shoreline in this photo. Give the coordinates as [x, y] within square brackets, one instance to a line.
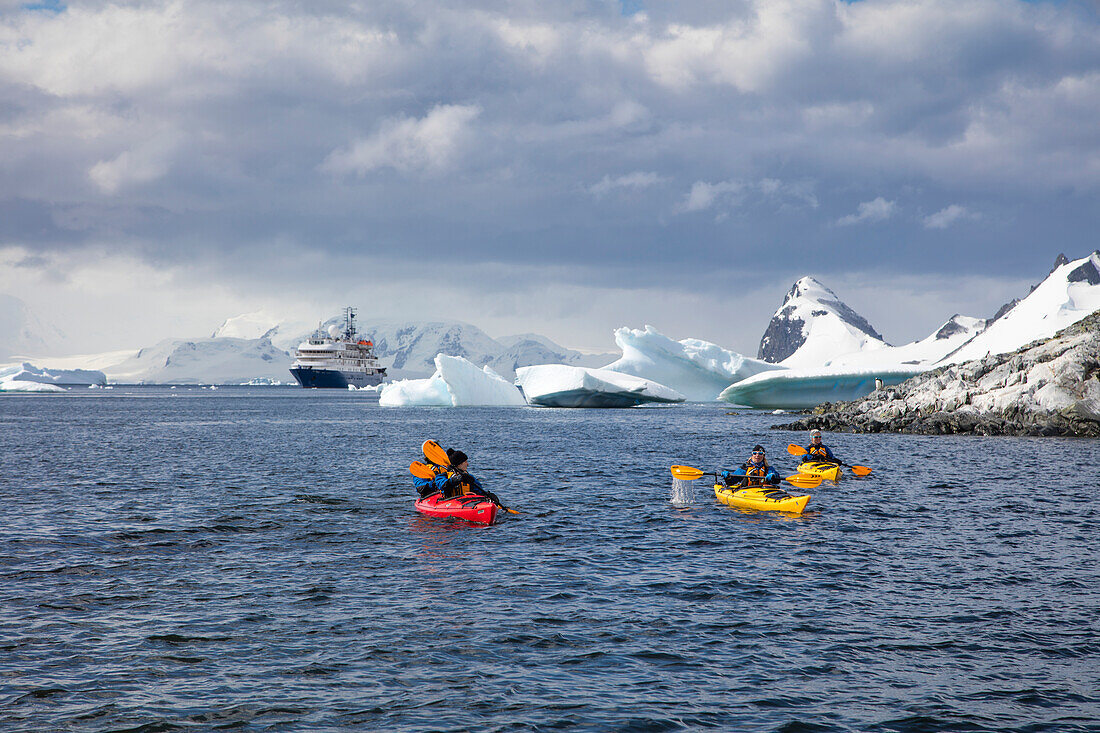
[1047, 388]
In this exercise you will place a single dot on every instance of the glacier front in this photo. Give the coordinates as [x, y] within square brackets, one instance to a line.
[697, 369]
[800, 389]
[560, 385]
[457, 382]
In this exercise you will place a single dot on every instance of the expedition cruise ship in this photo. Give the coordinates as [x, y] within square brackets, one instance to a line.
[337, 359]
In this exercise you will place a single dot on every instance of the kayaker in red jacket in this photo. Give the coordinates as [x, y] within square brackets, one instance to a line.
[818, 451]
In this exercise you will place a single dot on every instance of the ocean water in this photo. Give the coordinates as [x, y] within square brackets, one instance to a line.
[250, 559]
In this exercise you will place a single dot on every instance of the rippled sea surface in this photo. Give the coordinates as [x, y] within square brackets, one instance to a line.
[250, 559]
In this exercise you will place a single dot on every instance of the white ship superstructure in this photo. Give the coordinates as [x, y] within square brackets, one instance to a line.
[337, 358]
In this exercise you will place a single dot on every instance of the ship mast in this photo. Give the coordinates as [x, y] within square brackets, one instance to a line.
[349, 323]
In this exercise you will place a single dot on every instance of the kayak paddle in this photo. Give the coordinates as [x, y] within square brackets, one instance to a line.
[687, 473]
[418, 469]
[437, 454]
[797, 450]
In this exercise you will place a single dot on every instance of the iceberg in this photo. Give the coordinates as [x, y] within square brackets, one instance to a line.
[457, 382]
[26, 372]
[698, 369]
[560, 385]
[20, 385]
[800, 389]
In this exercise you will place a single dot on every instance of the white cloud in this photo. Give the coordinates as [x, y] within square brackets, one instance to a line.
[869, 211]
[407, 144]
[947, 216]
[140, 164]
[635, 180]
[703, 195]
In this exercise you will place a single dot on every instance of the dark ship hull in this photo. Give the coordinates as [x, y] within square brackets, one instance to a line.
[334, 379]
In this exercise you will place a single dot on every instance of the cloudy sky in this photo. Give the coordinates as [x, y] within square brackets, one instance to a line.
[563, 168]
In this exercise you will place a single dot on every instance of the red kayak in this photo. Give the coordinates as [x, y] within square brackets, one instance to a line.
[471, 508]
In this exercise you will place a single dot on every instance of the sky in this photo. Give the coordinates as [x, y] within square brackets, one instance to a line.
[561, 168]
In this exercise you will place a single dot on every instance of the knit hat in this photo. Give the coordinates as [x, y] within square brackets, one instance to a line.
[814, 432]
[758, 448]
[457, 457]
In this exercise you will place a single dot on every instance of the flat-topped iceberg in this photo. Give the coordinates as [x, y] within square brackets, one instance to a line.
[559, 385]
[698, 369]
[26, 372]
[457, 382]
[799, 389]
[20, 385]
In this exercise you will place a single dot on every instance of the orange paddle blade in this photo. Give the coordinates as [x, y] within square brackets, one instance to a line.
[418, 469]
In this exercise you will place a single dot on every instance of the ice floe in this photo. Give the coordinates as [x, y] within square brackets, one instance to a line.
[560, 385]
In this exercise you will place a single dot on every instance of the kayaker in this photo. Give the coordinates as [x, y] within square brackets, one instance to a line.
[818, 451]
[754, 471]
[454, 480]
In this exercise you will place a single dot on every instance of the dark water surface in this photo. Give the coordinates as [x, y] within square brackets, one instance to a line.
[250, 559]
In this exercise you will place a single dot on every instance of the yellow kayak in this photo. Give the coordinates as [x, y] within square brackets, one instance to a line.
[827, 471]
[767, 498]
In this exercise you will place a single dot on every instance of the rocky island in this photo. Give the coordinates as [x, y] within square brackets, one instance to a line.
[1048, 387]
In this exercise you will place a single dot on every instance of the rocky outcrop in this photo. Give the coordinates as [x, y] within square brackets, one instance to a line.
[1049, 387]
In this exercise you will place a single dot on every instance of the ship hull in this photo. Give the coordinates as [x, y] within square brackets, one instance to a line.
[333, 378]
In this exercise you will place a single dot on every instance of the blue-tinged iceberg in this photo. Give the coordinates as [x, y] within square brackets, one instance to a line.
[698, 369]
[26, 372]
[799, 389]
[559, 385]
[457, 382]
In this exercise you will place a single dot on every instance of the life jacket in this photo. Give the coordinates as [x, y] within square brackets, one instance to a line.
[817, 451]
[466, 487]
[756, 471]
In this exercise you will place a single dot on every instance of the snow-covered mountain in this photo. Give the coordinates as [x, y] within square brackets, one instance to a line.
[22, 332]
[204, 361]
[1069, 293]
[947, 338]
[813, 326]
[697, 369]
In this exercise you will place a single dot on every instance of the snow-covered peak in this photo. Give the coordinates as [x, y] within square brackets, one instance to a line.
[1068, 294]
[813, 325]
[956, 325]
[247, 326]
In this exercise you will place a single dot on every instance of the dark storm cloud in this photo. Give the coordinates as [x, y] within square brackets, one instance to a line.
[503, 133]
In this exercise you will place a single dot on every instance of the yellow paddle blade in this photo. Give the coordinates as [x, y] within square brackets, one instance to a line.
[804, 482]
[687, 473]
[860, 470]
[418, 469]
[796, 450]
[435, 453]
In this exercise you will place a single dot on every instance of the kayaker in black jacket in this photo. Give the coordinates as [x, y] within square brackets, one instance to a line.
[818, 451]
